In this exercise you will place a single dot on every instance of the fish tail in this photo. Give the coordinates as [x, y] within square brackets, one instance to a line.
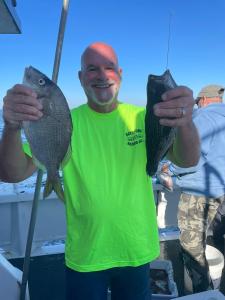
[54, 185]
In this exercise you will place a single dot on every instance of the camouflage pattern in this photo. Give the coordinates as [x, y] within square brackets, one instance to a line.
[195, 214]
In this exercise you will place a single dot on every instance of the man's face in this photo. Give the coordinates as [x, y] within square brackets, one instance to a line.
[100, 76]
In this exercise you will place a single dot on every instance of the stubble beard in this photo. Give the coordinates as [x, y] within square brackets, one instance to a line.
[105, 98]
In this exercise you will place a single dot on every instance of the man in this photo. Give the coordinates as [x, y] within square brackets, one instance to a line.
[202, 188]
[111, 223]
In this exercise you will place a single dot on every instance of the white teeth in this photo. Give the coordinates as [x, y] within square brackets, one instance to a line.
[102, 86]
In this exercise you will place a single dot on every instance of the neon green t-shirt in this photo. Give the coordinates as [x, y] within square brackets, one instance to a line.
[110, 208]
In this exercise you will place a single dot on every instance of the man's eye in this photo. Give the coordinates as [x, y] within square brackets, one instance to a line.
[92, 69]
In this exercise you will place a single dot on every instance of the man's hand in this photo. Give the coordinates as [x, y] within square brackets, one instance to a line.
[176, 108]
[176, 111]
[20, 104]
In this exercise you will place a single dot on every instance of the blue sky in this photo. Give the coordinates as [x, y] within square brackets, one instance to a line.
[138, 30]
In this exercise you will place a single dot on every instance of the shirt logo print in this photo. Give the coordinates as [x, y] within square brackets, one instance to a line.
[135, 137]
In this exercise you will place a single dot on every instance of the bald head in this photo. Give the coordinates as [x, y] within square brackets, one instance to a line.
[100, 76]
[101, 50]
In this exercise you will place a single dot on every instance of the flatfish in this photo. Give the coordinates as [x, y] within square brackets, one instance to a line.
[49, 137]
[158, 137]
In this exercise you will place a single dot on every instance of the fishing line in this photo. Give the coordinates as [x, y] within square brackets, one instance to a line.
[168, 41]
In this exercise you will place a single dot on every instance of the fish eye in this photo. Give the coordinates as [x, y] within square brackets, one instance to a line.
[41, 81]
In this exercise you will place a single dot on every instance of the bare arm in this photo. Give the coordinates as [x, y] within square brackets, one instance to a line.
[20, 104]
[15, 165]
[185, 151]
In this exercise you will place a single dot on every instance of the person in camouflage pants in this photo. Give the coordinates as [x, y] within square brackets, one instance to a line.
[202, 190]
[195, 214]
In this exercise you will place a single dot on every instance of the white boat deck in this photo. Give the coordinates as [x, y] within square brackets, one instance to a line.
[47, 256]
[50, 229]
[15, 210]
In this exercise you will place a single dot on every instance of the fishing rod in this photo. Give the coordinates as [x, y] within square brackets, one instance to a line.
[58, 52]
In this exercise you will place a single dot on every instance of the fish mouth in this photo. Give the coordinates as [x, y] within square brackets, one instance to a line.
[26, 76]
[27, 70]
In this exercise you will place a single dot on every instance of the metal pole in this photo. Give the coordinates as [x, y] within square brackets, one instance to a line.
[60, 40]
[26, 263]
[55, 73]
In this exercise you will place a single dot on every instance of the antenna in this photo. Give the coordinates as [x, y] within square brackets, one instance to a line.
[168, 42]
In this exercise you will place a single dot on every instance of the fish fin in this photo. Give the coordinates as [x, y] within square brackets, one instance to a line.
[54, 185]
[66, 157]
[38, 164]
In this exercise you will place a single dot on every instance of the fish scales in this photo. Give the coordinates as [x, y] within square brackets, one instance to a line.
[159, 138]
[49, 137]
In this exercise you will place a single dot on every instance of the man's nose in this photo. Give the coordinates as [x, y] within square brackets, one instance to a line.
[102, 73]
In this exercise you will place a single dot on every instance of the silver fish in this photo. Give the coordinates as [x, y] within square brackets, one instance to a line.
[159, 138]
[49, 137]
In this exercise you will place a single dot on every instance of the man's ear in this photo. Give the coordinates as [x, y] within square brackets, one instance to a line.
[120, 73]
[80, 76]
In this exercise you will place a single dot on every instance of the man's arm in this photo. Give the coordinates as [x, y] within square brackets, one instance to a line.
[176, 111]
[20, 104]
[15, 165]
[185, 150]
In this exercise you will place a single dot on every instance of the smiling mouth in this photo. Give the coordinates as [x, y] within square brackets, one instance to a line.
[102, 86]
